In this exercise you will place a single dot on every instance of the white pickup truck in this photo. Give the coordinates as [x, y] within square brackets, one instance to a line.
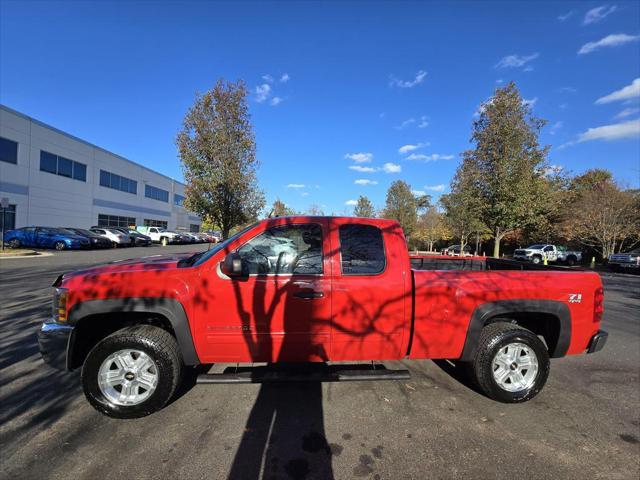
[159, 235]
[538, 252]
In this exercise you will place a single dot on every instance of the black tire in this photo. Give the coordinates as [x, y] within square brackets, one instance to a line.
[15, 243]
[60, 246]
[571, 260]
[536, 259]
[163, 349]
[493, 338]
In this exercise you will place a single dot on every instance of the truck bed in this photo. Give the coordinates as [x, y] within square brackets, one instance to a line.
[449, 291]
[445, 262]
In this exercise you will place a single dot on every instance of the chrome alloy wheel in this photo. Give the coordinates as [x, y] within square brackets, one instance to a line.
[515, 367]
[128, 377]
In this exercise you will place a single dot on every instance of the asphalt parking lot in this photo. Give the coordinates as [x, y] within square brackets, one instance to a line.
[585, 424]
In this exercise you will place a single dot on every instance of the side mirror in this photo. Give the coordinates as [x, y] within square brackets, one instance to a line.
[232, 265]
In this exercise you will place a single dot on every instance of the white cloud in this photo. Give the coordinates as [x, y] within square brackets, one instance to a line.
[285, 78]
[275, 101]
[351, 202]
[429, 158]
[500, 81]
[613, 40]
[296, 185]
[364, 181]
[418, 193]
[436, 188]
[599, 13]
[515, 61]
[267, 78]
[423, 122]
[391, 168]
[262, 92]
[361, 169]
[563, 106]
[304, 194]
[418, 79]
[627, 112]
[567, 90]
[555, 127]
[617, 131]
[362, 157]
[411, 147]
[565, 16]
[406, 123]
[626, 93]
[530, 102]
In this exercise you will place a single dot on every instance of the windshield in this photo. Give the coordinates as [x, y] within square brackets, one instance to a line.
[200, 258]
[537, 246]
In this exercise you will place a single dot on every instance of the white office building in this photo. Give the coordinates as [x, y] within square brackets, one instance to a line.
[54, 179]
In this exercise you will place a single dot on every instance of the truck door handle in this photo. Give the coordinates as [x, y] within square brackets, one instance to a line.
[308, 295]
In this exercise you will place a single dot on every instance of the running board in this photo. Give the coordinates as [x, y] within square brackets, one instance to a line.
[330, 374]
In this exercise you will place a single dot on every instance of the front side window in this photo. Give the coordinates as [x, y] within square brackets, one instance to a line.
[285, 250]
[361, 250]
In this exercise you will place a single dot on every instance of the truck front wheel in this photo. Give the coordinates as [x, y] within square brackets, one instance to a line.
[132, 372]
[536, 259]
[511, 364]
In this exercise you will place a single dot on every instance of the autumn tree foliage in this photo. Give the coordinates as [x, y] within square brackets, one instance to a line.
[364, 208]
[280, 209]
[218, 153]
[431, 227]
[600, 214]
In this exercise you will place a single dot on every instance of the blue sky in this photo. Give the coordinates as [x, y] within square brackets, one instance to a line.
[337, 88]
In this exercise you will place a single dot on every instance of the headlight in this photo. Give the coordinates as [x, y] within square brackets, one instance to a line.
[59, 312]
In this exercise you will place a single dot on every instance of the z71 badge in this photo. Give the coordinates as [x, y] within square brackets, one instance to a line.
[575, 297]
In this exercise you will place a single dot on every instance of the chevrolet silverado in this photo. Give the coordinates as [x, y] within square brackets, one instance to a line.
[314, 289]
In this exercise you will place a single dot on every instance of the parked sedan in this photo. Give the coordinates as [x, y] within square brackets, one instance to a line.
[97, 241]
[45, 237]
[118, 239]
[137, 239]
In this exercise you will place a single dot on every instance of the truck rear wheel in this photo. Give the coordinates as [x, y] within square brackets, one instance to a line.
[132, 372]
[511, 364]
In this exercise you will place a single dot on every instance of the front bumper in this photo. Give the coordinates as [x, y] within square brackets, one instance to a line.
[597, 342]
[53, 341]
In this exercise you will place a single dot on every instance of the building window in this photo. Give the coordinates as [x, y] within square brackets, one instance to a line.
[117, 182]
[62, 166]
[10, 218]
[156, 193]
[116, 221]
[178, 200]
[155, 223]
[8, 151]
[194, 228]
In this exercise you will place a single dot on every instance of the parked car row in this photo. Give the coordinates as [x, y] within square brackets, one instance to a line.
[70, 238]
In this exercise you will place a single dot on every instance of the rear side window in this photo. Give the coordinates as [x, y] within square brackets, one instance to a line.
[361, 250]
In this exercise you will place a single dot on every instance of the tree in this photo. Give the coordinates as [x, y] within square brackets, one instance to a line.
[464, 205]
[280, 209]
[401, 206]
[364, 208]
[218, 154]
[315, 210]
[431, 227]
[509, 164]
[600, 214]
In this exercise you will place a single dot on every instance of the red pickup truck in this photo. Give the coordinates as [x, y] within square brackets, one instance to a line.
[314, 289]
